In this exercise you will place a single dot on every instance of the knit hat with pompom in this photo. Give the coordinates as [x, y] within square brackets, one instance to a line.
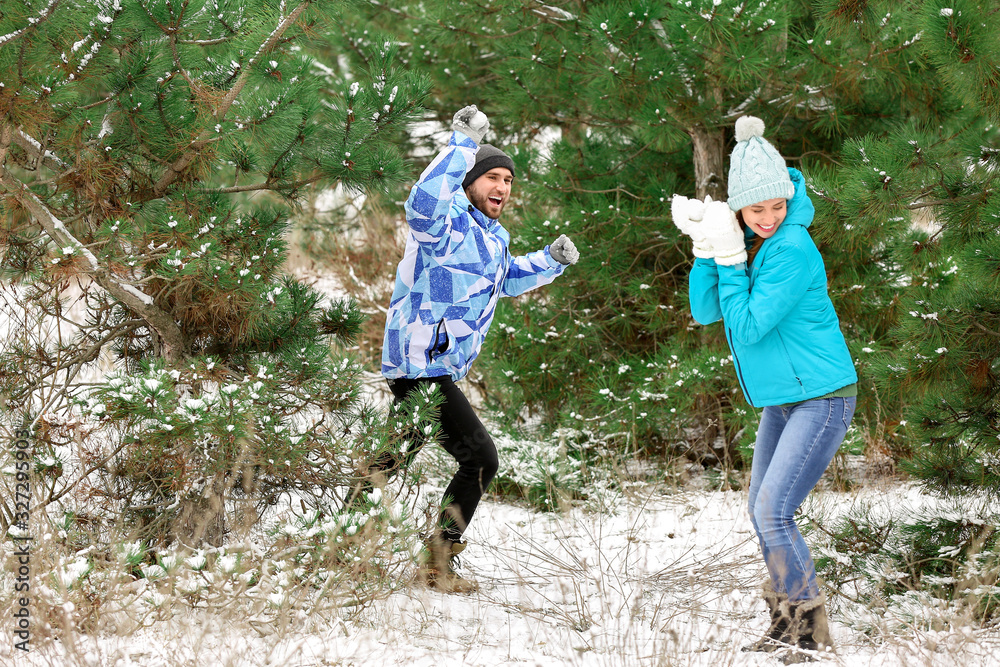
[756, 171]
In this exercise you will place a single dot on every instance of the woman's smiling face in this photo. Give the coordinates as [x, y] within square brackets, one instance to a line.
[765, 217]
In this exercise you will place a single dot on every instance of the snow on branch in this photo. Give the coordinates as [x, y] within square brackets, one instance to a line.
[52, 225]
[265, 48]
[32, 147]
[554, 13]
[113, 8]
[129, 295]
[32, 22]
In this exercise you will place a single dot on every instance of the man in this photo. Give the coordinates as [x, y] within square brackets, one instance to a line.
[455, 268]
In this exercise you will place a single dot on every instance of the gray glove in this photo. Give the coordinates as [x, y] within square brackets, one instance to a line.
[687, 215]
[471, 122]
[563, 250]
[724, 234]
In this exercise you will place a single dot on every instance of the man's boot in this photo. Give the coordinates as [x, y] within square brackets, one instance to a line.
[808, 630]
[437, 569]
[773, 637]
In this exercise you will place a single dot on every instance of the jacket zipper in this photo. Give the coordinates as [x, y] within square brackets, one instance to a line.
[434, 352]
[739, 369]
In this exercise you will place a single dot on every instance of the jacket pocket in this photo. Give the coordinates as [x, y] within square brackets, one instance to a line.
[440, 341]
[788, 360]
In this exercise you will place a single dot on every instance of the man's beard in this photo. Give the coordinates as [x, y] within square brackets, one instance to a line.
[482, 202]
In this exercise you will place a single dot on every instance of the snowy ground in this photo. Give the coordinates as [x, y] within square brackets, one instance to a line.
[664, 577]
[657, 576]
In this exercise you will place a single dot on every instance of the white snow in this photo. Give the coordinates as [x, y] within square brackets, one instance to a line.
[31, 21]
[658, 576]
[134, 291]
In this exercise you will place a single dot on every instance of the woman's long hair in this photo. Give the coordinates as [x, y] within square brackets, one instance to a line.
[757, 242]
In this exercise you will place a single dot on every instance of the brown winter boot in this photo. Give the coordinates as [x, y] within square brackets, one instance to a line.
[772, 639]
[437, 569]
[808, 630]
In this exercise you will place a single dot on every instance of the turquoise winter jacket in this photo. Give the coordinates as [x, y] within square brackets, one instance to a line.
[780, 323]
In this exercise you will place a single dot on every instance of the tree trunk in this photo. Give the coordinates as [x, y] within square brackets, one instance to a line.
[201, 518]
[709, 162]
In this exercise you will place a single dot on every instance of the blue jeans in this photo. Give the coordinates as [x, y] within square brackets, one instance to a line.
[800, 441]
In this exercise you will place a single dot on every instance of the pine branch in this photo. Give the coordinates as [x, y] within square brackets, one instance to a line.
[132, 297]
[982, 328]
[33, 147]
[52, 225]
[254, 187]
[980, 196]
[82, 356]
[204, 42]
[56, 496]
[185, 160]
[619, 190]
[75, 364]
[32, 23]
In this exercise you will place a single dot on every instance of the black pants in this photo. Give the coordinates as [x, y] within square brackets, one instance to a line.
[466, 439]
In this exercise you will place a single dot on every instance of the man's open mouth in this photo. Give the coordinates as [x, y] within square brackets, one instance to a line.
[496, 201]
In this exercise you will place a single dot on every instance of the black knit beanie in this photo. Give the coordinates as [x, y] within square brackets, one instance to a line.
[488, 157]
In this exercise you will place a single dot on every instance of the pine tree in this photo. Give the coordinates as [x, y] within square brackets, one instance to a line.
[641, 98]
[151, 153]
[936, 364]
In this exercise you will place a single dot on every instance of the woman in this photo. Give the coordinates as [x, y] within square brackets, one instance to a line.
[758, 270]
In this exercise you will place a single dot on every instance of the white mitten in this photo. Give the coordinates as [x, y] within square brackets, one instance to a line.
[724, 234]
[687, 215]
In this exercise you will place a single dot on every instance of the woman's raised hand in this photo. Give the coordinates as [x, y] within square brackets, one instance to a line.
[724, 233]
[687, 215]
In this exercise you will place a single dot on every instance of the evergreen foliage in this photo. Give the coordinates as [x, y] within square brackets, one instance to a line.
[151, 153]
[905, 557]
[609, 108]
[922, 204]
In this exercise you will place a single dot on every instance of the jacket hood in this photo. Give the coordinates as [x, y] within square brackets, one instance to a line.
[800, 208]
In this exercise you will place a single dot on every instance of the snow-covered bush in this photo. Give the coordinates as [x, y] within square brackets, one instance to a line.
[911, 556]
[154, 443]
[675, 403]
[546, 472]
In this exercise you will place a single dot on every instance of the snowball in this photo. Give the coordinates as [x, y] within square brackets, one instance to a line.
[749, 126]
[478, 121]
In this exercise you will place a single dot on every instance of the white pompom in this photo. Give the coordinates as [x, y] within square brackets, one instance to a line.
[749, 126]
[478, 121]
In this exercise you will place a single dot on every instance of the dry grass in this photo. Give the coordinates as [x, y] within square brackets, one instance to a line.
[664, 577]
